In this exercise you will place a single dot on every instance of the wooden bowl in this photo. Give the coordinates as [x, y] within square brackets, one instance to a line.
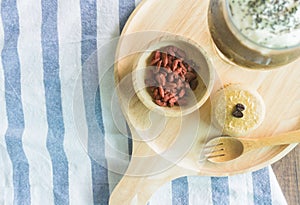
[205, 75]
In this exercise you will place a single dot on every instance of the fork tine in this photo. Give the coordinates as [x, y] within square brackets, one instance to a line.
[207, 157]
[218, 153]
[215, 156]
[213, 148]
[207, 146]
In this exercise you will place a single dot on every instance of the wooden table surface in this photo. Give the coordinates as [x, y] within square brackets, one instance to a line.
[287, 171]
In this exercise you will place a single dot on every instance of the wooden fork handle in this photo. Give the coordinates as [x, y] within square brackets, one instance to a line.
[280, 139]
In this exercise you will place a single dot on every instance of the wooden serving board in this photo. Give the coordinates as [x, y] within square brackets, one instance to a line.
[175, 148]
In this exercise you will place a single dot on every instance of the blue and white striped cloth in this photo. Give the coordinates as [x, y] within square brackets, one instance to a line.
[44, 45]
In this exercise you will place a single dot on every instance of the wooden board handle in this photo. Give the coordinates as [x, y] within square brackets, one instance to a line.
[137, 190]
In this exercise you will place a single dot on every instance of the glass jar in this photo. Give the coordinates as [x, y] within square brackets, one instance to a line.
[258, 34]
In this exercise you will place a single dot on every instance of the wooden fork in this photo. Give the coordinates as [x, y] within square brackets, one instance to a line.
[226, 148]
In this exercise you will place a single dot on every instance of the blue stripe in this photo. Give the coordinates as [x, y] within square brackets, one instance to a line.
[14, 107]
[261, 187]
[92, 102]
[98, 110]
[56, 130]
[180, 191]
[220, 190]
[129, 141]
[125, 9]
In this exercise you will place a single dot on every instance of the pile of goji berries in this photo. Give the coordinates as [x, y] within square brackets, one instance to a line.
[170, 76]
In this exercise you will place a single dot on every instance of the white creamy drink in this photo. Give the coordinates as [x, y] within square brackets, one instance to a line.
[259, 34]
[271, 23]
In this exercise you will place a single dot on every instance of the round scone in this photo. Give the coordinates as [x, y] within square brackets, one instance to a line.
[237, 110]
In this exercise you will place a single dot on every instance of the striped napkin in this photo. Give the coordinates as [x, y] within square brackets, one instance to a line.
[49, 117]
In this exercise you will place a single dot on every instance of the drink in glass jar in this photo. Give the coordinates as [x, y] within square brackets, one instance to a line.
[256, 34]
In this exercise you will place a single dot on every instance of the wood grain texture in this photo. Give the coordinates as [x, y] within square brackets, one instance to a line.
[165, 148]
[287, 171]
